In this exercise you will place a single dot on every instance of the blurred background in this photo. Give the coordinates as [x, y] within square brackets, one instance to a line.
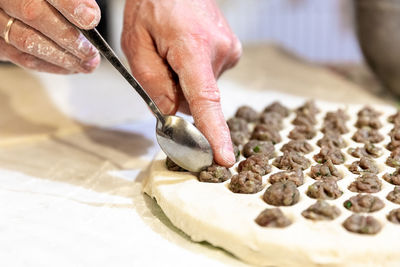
[321, 31]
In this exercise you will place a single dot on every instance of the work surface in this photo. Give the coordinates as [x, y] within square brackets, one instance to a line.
[70, 193]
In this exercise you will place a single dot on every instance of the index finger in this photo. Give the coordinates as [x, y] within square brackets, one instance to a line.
[200, 89]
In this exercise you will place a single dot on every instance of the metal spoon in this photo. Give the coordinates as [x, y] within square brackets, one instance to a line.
[178, 138]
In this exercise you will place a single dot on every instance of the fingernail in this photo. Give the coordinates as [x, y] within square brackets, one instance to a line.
[165, 104]
[227, 154]
[86, 48]
[86, 16]
[91, 65]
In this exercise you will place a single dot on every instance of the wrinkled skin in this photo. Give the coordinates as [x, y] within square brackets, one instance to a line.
[43, 36]
[177, 49]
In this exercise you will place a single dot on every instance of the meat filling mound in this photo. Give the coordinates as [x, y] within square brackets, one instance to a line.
[291, 161]
[239, 138]
[363, 203]
[172, 166]
[278, 108]
[272, 120]
[393, 178]
[246, 182]
[325, 170]
[335, 122]
[238, 125]
[256, 163]
[254, 147]
[272, 218]
[394, 216]
[332, 139]
[214, 174]
[302, 132]
[367, 135]
[300, 146]
[296, 176]
[282, 194]
[394, 195]
[368, 117]
[394, 159]
[324, 189]
[247, 113]
[366, 183]
[364, 165]
[394, 138]
[321, 210]
[368, 150]
[264, 132]
[362, 224]
[332, 153]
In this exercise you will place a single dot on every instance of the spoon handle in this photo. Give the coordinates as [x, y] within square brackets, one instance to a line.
[98, 41]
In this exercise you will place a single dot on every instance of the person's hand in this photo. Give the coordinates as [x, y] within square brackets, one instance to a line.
[176, 50]
[43, 38]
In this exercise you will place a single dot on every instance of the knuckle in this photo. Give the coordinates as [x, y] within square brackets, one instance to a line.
[237, 50]
[206, 96]
[25, 41]
[224, 44]
[30, 9]
[145, 76]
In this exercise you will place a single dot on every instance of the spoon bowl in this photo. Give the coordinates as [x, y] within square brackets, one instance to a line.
[184, 143]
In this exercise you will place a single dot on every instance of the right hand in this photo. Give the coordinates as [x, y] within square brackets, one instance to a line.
[43, 36]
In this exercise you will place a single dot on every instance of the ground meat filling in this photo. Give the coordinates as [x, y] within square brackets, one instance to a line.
[256, 163]
[394, 159]
[282, 194]
[332, 153]
[300, 146]
[394, 216]
[367, 135]
[363, 203]
[368, 150]
[247, 113]
[214, 174]
[368, 117]
[365, 164]
[395, 119]
[302, 132]
[325, 170]
[272, 120]
[362, 224]
[172, 166]
[335, 122]
[236, 151]
[254, 147]
[291, 161]
[394, 138]
[238, 125]
[239, 138]
[393, 178]
[272, 218]
[324, 189]
[321, 210]
[296, 176]
[394, 195]
[246, 182]
[264, 132]
[366, 183]
[278, 108]
[332, 139]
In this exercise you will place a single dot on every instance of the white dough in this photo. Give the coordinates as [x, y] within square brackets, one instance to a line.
[211, 212]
